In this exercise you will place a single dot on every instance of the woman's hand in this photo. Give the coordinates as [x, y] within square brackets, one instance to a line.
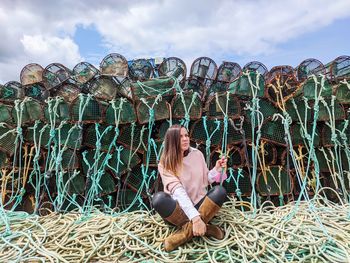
[198, 226]
[221, 164]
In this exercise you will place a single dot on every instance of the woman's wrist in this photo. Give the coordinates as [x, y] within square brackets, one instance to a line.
[196, 219]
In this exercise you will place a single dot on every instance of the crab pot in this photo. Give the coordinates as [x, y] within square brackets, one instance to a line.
[90, 114]
[131, 138]
[31, 74]
[11, 91]
[32, 111]
[83, 72]
[126, 112]
[179, 108]
[160, 108]
[242, 184]
[275, 182]
[216, 105]
[114, 65]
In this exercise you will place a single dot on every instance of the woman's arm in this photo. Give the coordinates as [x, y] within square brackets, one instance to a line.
[185, 202]
[218, 173]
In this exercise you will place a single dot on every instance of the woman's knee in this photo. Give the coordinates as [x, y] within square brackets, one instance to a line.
[163, 204]
[218, 194]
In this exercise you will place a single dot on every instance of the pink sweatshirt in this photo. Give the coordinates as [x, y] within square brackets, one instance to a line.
[193, 177]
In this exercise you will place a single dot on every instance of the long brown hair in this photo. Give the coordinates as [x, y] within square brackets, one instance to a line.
[172, 157]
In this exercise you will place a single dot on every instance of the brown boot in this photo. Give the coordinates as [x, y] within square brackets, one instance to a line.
[208, 210]
[178, 216]
[179, 237]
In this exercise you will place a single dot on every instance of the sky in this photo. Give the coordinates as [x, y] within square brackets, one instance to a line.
[274, 32]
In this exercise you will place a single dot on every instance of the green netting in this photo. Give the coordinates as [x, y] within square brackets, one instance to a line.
[83, 72]
[235, 157]
[219, 105]
[298, 107]
[8, 137]
[127, 199]
[134, 138]
[299, 136]
[36, 91]
[331, 161]
[217, 87]
[343, 92]
[163, 86]
[241, 132]
[128, 159]
[199, 135]
[11, 91]
[135, 180]
[125, 114]
[69, 92]
[276, 182]
[267, 109]
[5, 113]
[159, 110]
[29, 111]
[240, 184]
[74, 183]
[327, 134]
[106, 138]
[187, 103]
[326, 111]
[56, 109]
[195, 85]
[312, 87]
[273, 131]
[86, 109]
[154, 154]
[242, 87]
[267, 154]
[162, 127]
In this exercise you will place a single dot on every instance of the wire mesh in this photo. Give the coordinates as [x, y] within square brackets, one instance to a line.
[11, 91]
[57, 110]
[134, 138]
[276, 181]
[173, 67]
[55, 74]
[114, 65]
[187, 101]
[140, 70]
[242, 183]
[84, 72]
[7, 139]
[256, 66]
[298, 134]
[309, 67]
[327, 112]
[31, 74]
[32, 111]
[195, 85]
[242, 87]
[304, 111]
[228, 71]
[199, 135]
[204, 68]
[216, 106]
[92, 111]
[166, 87]
[106, 137]
[5, 113]
[127, 112]
[273, 131]
[160, 110]
[235, 157]
[103, 87]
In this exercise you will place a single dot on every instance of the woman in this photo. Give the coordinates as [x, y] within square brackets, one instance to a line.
[185, 201]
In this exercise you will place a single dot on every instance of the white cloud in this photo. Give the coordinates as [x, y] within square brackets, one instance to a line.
[42, 31]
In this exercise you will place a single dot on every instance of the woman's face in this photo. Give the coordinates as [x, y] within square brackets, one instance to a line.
[185, 139]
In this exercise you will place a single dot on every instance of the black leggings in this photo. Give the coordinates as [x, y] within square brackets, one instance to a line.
[165, 205]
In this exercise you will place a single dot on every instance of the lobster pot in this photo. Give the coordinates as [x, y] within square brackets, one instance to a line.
[106, 184]
[162, 127]
[173, 67]
[114, 65]
[217, 104]
[123, 112]
[32, 111]
[327, 161]
[36, 91]
[164, 86]
[275, 181]
[55, 74]
[273, 131]
[5, 113]
[133, 138]
[244, 132]
[160, 109]
[126, 199]
[217, 87]
[242, 183]
[140, 70]
[265, 107]
[84, 72]
[8, 141]
[281, 88]
[69, 92]
[342, 92]
[31, 74]
[11, 91]
[228, 71]
[298, 134]
[235, 157]
[135, 178]
[70, 159]
[324, 114]
[303, 110]
[68, 134]
[107, 136]
[4, 160]
[339, 68]
[198, 133]
[56, 109]
[194, 85]
[103, 88]
[311, 89]
[73, 183]
[242, 87]
[90, 114]
[326, 134]
[124, 87]
[155, 150]
[267, 154]
[120, 162]
[183, 102]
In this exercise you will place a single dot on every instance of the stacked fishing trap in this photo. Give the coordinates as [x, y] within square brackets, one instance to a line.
[93, 137]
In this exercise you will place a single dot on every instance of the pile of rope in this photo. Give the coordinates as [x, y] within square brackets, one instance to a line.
[314, 231]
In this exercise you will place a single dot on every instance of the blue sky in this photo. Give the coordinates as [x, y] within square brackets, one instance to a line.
[272, 32]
